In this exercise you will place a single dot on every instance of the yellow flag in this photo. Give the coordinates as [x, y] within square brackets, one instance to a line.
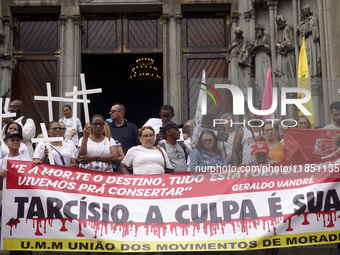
[304, 82]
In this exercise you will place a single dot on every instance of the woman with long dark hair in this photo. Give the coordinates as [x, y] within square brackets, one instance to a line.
[207, 155]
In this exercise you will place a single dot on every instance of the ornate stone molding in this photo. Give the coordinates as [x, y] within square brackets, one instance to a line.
[63, 19]
[178, 17]
[6, 20]
[247, 16]
[76, 19]
[272, 5]
[234, 16]
[165, 18]
[253, 13]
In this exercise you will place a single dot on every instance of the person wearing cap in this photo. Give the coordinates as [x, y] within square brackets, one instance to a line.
[177, 151]
[260, 152]
[12, 140]
[166, 113]
[13, 126]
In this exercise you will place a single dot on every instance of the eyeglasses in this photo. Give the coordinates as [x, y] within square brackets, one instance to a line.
[210, 140]
[98, 123]
[56, 129]
[62, 129]
[113, 111]
[148, 136]
[166, 116]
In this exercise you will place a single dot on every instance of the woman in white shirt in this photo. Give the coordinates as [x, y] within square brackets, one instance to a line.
[13, 126]
[63, 153]
[96, 151]
[146, 158]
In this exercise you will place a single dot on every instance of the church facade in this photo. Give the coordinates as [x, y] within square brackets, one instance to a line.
[153, 52]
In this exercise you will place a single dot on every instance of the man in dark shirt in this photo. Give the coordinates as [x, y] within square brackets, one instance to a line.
[123, 131]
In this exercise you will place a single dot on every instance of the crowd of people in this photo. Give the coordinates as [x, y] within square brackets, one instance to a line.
[117, 145]
[160, 146]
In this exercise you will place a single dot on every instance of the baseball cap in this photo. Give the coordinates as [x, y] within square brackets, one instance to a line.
[12, 133]
[260, 146]
[169, 125]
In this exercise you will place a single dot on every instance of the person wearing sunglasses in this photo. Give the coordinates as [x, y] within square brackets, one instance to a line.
[64, 153]
[146, 158]
[96, 151]
[207, 155]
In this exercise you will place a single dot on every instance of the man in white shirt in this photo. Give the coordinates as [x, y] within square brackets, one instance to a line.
[166, 113]
[68, 121]
[335, 114]
[27, 124]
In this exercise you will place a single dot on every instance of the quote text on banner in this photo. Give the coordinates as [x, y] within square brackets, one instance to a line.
[56, 208]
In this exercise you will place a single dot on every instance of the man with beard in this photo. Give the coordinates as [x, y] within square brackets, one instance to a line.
[27, 124]
[245, 138]
[335, 114]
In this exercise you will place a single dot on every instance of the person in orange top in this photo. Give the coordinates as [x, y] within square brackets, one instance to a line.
[277, 149]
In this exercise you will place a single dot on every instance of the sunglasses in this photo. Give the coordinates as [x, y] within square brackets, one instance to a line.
[98, 123]
[210, 140]
[57, 129]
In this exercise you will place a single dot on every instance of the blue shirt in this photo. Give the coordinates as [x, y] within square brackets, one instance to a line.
[205, 160]
[126, 134]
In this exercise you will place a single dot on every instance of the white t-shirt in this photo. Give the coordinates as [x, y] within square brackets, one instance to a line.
[69, 123]
[3, 161]
[146, 161]
[67, 150]
[22, 150]
[98, 149]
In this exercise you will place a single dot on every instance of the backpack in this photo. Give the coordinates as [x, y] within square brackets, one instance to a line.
[181, 143]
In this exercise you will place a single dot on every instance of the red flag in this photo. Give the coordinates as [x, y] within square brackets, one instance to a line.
[308, 145]
[268, 96]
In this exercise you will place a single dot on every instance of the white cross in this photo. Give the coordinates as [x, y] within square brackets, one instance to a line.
[50, 99]
[47, 141]
[84, 93]
[4, 115]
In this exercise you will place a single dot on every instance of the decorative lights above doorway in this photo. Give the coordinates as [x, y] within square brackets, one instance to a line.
[144, 69]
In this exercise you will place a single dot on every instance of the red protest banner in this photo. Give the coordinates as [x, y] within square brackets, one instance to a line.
[58, 208]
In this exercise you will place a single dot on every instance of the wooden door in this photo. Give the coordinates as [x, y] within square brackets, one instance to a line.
[36, 43]
[205, 40]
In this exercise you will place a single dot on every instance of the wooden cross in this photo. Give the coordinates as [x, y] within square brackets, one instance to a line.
[51, 99]
[84, 93]
[4, 115]
[47, 141]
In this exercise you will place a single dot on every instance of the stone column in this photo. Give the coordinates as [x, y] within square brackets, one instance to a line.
[234, 19]
[247, 17]
[172, 59]
[252, 24]
[6, 60]
[272, 5]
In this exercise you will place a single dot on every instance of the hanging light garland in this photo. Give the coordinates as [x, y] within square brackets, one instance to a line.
[144, 68]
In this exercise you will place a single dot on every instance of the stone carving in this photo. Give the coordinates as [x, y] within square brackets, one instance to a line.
[5, 64]
[309, 27]
[260, 50]
[239, 61]
[285, 60]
